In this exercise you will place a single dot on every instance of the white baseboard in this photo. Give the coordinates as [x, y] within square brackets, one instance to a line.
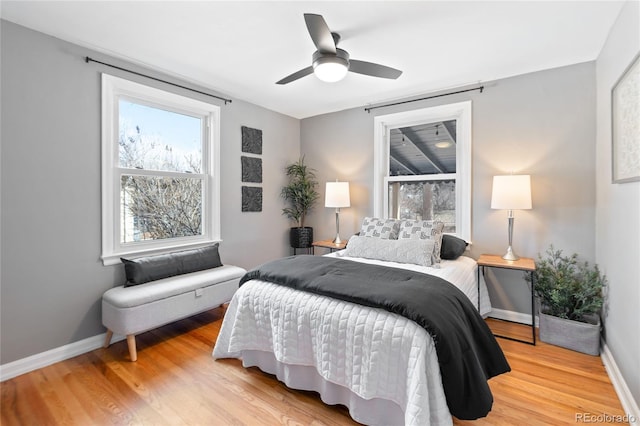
[514, 316]
[629, 404]
[33, 362]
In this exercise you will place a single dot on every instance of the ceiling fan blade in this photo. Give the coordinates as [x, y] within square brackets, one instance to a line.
[296, 75]
[320, 33]
[375, 70]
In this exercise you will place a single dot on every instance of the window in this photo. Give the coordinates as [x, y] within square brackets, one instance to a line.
[423, 199]
[160, 170]
[422, 166]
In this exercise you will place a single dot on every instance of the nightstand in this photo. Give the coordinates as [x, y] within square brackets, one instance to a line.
[524, 264]
[330, 245]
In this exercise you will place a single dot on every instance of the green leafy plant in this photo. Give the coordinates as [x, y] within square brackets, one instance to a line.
[300, 193]
[567, 288]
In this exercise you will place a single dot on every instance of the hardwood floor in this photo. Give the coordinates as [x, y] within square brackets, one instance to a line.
[176, 382]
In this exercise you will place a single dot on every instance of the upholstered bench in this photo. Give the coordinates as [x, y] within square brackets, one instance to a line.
[134, 308]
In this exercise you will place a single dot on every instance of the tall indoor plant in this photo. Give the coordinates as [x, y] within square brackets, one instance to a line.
[301, 195]
[571, 297]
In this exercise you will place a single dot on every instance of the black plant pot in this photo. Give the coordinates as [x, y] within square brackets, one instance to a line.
[301, 237]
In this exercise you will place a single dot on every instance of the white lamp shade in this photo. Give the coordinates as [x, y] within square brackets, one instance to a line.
[511, 192]
[337, 195]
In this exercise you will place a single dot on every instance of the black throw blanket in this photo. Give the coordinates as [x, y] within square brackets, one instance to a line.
[468, 353]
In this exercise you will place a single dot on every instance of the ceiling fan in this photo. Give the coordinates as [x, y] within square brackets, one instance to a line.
[329, 63]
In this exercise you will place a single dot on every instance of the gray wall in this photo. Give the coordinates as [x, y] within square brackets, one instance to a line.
[618, 209]
[541, 124]
[51, 276]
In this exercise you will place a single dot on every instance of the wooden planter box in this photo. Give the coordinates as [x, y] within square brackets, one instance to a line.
[578, 336]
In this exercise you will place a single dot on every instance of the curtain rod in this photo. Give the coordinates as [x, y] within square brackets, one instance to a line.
[88, 59]
[480, 88]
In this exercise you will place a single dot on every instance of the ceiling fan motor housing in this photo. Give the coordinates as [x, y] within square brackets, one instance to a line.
[341, 57]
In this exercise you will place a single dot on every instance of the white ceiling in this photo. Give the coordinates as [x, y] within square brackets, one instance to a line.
[242, 48]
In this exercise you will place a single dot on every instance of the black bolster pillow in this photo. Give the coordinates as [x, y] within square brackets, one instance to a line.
[151, 268]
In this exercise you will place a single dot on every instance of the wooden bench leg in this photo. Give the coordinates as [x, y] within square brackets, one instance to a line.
[107, 340]
[131, 342]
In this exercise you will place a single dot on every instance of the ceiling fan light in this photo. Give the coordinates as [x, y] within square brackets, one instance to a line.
[443, 144]
[330, 69]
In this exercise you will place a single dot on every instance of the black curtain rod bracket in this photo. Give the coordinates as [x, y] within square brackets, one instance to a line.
[480, 88]
[88, 59]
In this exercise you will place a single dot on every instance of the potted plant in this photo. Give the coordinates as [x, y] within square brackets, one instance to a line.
[301, 195]
[571, 297]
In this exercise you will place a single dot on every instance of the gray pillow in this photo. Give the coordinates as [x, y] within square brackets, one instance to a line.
[380, 228]
[151, 268]
[452, 247]
[415, 251]
[423, 229]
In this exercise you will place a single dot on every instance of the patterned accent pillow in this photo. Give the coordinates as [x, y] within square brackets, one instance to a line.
[425, 230]
[417, 252]
[386, 229]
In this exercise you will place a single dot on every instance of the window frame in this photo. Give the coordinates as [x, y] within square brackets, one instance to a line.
[461, 112]
[114, 88]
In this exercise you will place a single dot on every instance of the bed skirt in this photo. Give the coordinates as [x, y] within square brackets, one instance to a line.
[375, 411]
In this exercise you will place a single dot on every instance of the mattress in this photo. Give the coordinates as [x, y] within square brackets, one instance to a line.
[380, 365]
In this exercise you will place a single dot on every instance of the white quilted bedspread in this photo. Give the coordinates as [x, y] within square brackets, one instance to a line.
[372, 352]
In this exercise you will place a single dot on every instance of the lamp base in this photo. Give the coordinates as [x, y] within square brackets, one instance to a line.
[337, 240]
[510, 255]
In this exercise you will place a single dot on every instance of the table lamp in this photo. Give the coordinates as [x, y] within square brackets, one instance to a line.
[511, 192]
[337, 196]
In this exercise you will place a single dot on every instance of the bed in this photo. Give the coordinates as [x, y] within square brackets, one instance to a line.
[381, 365]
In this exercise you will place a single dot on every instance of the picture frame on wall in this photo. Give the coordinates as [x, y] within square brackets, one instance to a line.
[625, 125]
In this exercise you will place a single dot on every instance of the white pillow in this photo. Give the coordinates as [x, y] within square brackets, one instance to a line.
[423, 229]
[380, 228]
[416, 251]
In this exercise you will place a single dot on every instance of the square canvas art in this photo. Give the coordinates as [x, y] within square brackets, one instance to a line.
[251, 140]
[251, 199]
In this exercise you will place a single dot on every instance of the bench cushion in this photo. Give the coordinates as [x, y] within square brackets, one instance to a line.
[126, 297]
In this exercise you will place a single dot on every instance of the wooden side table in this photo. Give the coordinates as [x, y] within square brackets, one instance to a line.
[524, 264]
[330, 245]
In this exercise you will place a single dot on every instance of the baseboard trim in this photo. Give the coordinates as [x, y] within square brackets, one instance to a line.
[43, 359]
[513, 316]
[629, 404]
